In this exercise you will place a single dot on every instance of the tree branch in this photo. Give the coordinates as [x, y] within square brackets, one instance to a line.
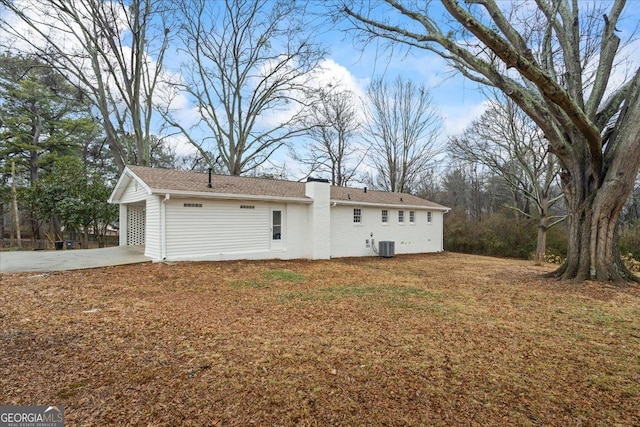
[547, 86]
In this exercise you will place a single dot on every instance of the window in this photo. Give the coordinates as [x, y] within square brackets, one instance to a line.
[429, 217]
[412, 217]
[357, 216]
[385, 216]
[276, 222]
[401, 217]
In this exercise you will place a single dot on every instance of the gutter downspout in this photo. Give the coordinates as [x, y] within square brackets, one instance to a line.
[163, 217]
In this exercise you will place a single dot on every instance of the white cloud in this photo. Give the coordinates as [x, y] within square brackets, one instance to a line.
[332, 74]
[337, 77]
[458, 116]
[328, 74]
[180, 144]
[22, 37]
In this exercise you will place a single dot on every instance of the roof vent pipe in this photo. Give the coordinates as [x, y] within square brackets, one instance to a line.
[209, 185]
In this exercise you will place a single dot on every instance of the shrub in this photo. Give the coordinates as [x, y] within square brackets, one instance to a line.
[553, 258]
[629, 241]
[498, 235]
[631, 262]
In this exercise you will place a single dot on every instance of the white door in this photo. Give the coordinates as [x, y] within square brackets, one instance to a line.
[277, 228]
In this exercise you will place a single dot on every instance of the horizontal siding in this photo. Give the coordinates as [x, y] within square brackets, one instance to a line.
[214, 228]
[152, 236]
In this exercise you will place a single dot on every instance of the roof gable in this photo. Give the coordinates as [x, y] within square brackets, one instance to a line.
[123, 183]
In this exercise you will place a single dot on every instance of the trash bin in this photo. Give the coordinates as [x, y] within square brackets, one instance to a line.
[69, 244]
[59, 245]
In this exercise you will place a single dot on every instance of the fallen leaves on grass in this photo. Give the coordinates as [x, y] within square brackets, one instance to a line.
[441, 339]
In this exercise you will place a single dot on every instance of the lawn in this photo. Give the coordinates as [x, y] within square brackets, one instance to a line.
[438, 339]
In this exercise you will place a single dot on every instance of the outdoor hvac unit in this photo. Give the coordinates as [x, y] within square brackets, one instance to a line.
[387, 249]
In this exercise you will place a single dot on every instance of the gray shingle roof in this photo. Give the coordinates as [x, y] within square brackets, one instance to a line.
[357, 195]
[163, 180]
[196, 182]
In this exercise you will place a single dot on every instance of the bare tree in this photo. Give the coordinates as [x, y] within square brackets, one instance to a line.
[465, 190]
[556, 63]
[333, 122]
[247, 65]
[112, 51]
[402, 130]
[512, 146]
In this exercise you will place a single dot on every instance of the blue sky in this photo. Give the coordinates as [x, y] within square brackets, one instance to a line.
[457, 98]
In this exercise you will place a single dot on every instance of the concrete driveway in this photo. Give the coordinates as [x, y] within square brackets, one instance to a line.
[77, 259]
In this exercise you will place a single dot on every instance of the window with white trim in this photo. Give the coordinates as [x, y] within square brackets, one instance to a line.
[357, 216]
[276, 224]
[412, 217]
[429, 217]
[385, 216]
[401, 217]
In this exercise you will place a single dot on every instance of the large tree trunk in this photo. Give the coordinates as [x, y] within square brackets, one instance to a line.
[595, 197]
[592, 251]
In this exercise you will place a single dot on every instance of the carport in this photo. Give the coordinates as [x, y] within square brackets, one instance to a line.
[132, 195]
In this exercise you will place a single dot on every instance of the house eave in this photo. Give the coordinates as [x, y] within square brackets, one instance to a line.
[386, 205]
[232, 196]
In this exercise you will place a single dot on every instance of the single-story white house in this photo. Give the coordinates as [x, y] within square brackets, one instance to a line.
[181, 215]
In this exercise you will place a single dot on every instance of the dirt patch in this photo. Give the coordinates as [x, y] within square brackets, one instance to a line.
[441, 339]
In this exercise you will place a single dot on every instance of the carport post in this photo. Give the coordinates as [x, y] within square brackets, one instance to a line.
[122, 241]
